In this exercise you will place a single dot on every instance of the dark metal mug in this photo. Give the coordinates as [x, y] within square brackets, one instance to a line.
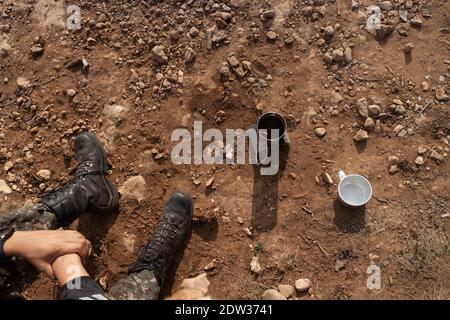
[268, 121]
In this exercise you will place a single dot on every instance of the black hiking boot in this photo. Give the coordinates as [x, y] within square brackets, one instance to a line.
[90, 190]
[168, 239]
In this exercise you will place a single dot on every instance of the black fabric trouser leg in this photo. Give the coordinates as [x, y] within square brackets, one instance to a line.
[136, 286]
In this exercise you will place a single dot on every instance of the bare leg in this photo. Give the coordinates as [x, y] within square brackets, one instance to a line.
[75, 281]
[68, 267]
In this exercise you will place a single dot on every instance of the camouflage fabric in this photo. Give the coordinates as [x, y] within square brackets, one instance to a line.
[141, 285]
[29, 218]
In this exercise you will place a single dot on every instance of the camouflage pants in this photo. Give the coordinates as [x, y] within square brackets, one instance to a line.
[136, 286]
[142, 285]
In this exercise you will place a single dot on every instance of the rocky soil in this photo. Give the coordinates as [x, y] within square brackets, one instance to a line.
[372, 102]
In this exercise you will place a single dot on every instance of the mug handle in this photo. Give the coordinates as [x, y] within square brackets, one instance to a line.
[341, 175]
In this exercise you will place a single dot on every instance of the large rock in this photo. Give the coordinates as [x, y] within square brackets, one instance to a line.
[272, 294]
[348, 55]
[441, 95]
[44, 174]
[436, 156]
[336, 97]
[22, 83]
[112, 117]
[337, 55]
[286, 290]
[159, 54]
[134, 188]
[320, 132]
[189, 56]
[374, 110]
[361, 136]
[369, 124]
[419, 161]
[363, 107]
[114, 114]
[255, 266]
[302, 285]
[193, 289]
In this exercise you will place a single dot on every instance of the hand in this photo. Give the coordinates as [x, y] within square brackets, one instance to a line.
[41, 248]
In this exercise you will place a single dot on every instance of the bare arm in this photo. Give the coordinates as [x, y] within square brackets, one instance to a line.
[41, 248]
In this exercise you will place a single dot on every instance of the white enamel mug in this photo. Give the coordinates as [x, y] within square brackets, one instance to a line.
[354, 191]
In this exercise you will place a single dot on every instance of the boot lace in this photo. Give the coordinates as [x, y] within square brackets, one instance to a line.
[84, 168]
[160, 247]
[54, 194]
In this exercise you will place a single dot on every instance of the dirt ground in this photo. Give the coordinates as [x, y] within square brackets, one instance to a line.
[312, 61]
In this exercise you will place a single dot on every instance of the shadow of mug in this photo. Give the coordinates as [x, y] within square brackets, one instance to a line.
[349, 220]
[265, 194]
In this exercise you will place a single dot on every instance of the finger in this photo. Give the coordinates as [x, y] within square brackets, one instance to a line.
[89, 247]
[74, 234]
[85, 249]
[49, 271]
[79, 247]
[67, 247]
[79, 235]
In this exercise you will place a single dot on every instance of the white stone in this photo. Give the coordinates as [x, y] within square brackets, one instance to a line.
[362, 107]
[199, 283]
[255, 266]
[112, 116]
[272, 294]
[286, 290]
[421, 150]
[436, 156]
[134, 188]
[361, 135]
[44, 174]
[22, 83]
[374, 110]
[159, 54]
[193, 289]
[348, 55]
[369, 124]
[419, 161]
[320, 132]
[4, 187]
[302, 285]
[8, 166]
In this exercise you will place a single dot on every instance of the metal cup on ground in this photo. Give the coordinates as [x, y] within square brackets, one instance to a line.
[267, 139]
[354, 191]
[269, 121]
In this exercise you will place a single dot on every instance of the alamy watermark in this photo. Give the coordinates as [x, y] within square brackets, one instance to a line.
[263, 147]
[73, 21]
[374, 279]
[75, 272]
[373, 18]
